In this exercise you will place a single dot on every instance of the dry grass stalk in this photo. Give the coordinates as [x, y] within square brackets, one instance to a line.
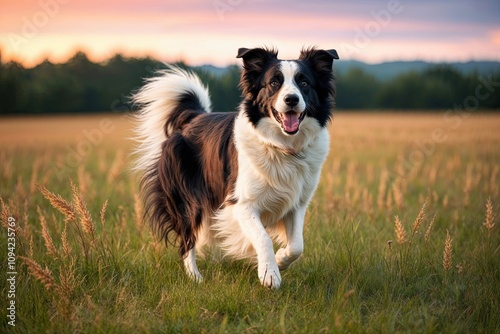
[489, 218]
[124, 217]
[466, 198]
[388, 202]
[398, 195]
[448, 248]
[59, 203]
[7, 169]
[445, 201]
[351, 176]
[43, 275]
[34, 175]
[83, 179]
[67, 281]
[103, 164]
[468, 185]
[384, 176]
[367, 200]
[116, 166]
[62, 291]
[420, 217]
[32, 246]
[138, 211]
[4, 215]
[370, 174]
[357, 193]
[421, 199]
[103, 212]
[49, 244]
[478, 175]
[330, 181]
[432, 174]
[46, 176]
[428, 231]
[400, 231]
[81, 207]
[435, 196]
[493, 180]
[19, 189]
[163, 298]
[64, 240]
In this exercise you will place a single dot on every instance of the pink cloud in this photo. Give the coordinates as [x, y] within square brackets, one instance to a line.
[201, 32]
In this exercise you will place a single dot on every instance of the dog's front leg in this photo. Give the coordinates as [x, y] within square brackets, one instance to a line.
[251, 225]
[294, 224]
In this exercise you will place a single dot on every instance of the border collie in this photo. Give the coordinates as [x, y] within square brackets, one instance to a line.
[237, 181]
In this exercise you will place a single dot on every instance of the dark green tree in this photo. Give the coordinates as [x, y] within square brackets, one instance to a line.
[356, 90]
[81, 85]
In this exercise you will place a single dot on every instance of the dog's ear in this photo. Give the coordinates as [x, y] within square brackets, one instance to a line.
[322, 60]
[256, 60]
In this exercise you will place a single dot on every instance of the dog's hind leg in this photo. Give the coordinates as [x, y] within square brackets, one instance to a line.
[191, 267]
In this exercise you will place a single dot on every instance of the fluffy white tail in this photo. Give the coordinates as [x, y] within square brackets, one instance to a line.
[161, 98]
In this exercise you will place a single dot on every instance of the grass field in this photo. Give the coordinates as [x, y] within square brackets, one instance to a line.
[401, 236]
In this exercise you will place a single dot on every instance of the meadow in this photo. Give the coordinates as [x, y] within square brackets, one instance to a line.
[402, 235]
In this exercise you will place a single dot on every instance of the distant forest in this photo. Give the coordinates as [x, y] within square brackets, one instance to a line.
[80, 85]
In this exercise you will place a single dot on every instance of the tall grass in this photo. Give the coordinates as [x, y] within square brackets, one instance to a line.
[389, 247]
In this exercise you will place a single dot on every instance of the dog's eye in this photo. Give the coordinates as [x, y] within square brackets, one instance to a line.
[304, 83]
[274, 83]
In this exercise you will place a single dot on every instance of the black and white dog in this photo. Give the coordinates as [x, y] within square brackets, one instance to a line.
[238, 180]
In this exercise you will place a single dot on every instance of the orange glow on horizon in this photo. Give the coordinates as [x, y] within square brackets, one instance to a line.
[200, 33]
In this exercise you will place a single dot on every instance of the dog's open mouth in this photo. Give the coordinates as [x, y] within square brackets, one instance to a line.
[290, 120]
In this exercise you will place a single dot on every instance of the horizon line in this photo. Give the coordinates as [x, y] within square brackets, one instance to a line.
[183, 60]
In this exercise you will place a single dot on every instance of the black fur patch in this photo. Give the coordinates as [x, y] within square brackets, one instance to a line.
[196, 171]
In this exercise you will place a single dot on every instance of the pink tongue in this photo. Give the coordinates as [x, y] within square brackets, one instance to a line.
[291, 121]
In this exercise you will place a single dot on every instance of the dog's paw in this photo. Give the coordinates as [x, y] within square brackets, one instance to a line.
[269, 276]
[192, 270]
[196, 276]
[282, 259]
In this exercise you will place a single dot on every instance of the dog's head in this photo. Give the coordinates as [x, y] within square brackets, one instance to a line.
[287, 90]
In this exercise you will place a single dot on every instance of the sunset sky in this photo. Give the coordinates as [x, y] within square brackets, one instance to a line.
[211, 31]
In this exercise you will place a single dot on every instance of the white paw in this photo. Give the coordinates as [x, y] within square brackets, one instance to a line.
[282, 259]
[269, 276]
[195, 276]
[191, 267]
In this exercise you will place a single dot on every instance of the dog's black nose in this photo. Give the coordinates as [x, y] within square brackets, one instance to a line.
[291, 100]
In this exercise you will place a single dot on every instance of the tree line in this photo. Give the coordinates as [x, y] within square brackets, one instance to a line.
[80, 85]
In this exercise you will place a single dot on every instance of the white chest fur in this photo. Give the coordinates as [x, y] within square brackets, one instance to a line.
[278, 173]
